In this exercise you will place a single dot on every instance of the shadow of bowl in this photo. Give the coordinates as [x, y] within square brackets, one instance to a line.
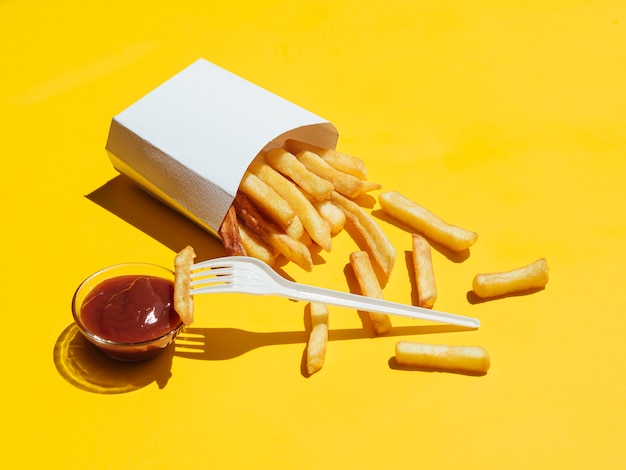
[84, 366]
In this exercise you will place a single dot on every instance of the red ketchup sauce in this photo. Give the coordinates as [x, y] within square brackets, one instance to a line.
[130, 308]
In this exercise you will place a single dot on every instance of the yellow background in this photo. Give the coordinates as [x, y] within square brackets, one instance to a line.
[508, 118]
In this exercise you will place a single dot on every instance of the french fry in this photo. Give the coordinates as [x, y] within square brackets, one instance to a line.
[229, 233]
[532, 276]
[296, 231]
[292, 249]
[254, 247]
[267, 199]
[289, 165]
[183, 302]
[346, 163]
[368, 282]
[424, 273]
[422, 220]
[335, 217]
[377, 241]
[313, 222]
[318, 338]
[368, 186]
[443, 357]
[344, 183]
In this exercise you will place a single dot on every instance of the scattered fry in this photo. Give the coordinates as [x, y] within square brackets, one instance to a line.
[420, 219]
[318, 338]
[424, 273]
[183, 302]
[442, 357]
[370, 287]
[531, 276]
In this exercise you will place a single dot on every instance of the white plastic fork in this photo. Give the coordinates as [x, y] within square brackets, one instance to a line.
[244, 274]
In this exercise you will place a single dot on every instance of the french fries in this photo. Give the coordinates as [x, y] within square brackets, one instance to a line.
[370, 287]
[293, 197]
[287, 203]
[253, 246]
[183, 302]
[425, 222]
[473, 359]
[318, 338]
[265, 197]
[289, 165]
[423, 270]
[346, 163]
[313, 222]
[344, 183]
[269, 234]
[531, 276]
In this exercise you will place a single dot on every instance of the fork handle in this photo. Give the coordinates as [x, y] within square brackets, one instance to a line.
[307, 293]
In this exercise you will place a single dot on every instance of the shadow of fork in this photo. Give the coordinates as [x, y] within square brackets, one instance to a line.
[217, 344]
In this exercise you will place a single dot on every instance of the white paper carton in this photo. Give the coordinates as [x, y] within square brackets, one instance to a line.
[190, 140]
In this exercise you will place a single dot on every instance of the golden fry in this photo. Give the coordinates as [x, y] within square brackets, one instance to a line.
[424, 273]
[368, 282]
[288, 165]
[368, 186]
[344, 183]
[335, 217]
[377, 241]
[318, 338]
[443, 357]
[313, 222]
[296, 231]
[420, 219]
[346, 163]
[531, 276]
[183, 302]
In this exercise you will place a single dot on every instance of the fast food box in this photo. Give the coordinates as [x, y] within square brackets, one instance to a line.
[190, 140]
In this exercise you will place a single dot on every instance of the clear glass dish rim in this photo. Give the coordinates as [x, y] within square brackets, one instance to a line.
[108, 342]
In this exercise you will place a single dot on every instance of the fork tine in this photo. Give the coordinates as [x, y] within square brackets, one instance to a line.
[214, 278]
[213, 272]
[211, 281]
[212, 263]
[210, 289]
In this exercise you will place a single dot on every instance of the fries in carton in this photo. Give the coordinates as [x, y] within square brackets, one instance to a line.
[190, 140]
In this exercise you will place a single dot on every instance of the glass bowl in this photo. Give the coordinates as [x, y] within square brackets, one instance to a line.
[117, 348]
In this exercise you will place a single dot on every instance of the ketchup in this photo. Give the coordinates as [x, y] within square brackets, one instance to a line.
[130, 309]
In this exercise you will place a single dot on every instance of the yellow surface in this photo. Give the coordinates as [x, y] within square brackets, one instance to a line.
[508, 118]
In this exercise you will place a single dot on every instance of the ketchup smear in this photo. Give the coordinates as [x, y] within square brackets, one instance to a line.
[130, 309]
